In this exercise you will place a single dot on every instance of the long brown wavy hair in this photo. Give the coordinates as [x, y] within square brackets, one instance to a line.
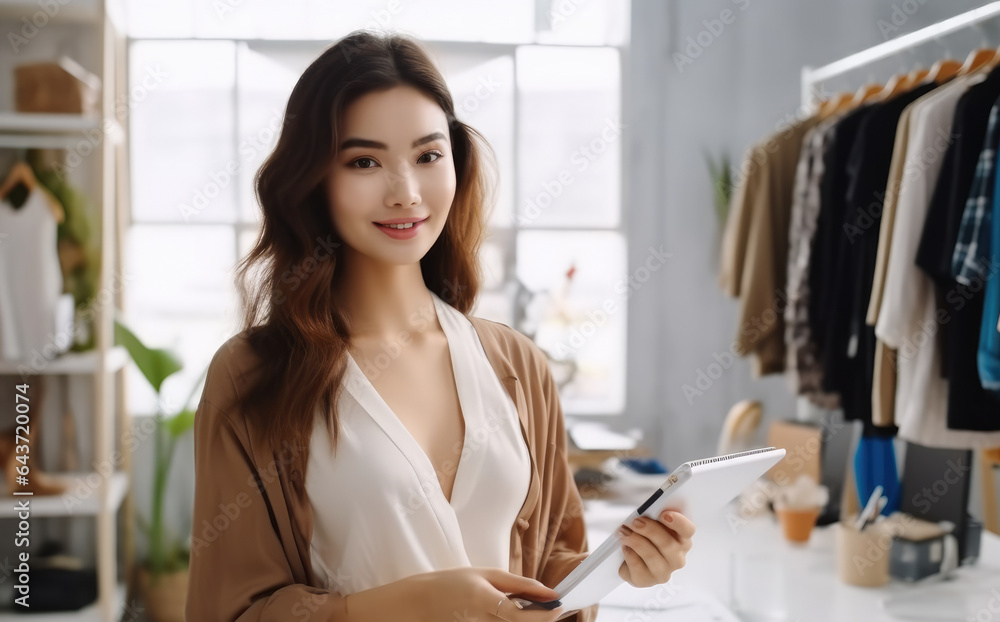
[291, 317]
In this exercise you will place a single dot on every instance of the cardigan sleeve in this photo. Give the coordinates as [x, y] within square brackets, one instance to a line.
[238, 567]
[566, 530]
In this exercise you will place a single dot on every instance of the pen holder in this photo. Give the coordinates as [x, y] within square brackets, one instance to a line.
[863, 556]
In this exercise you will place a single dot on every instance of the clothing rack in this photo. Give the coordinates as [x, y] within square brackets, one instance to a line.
[813, 76]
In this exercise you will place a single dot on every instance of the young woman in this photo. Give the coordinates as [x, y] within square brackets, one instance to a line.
[364, 449]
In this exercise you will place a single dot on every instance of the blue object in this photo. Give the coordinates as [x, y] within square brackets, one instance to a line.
[875, 465]
[646, 466]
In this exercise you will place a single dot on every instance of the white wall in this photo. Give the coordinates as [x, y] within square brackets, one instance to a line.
[736, 91]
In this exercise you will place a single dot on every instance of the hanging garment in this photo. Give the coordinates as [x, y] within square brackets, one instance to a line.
[848, 362]
[896, 167]
[755, 245]
[970, 259]
[988, 356]
[397, 521]
[970, 407]
[884, 372]
[803, 368]
[824, 267]
[906, 322]
[30, 277]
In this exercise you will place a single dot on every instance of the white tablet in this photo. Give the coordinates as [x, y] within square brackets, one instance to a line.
[699, 488]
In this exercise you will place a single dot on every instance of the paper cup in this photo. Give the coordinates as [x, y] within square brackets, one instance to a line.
[863, 557]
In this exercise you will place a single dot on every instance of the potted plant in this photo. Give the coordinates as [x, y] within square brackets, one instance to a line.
[163, 575]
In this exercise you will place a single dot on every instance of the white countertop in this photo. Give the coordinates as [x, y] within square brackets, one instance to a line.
[753, 565]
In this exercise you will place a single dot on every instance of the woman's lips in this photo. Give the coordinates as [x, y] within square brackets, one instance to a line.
[401, 234]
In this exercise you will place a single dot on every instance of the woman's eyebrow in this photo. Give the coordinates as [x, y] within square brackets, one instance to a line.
[374, 144]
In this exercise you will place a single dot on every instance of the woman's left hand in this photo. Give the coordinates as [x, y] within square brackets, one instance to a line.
[655, 549]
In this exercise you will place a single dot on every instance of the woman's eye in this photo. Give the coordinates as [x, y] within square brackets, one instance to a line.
[438, 155]
[356, 165]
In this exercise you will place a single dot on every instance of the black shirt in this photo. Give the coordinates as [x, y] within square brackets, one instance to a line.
[970, 407]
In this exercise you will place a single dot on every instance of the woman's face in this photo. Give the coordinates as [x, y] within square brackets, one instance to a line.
[394, 163]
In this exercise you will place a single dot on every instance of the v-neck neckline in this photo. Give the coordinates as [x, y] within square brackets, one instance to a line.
[366, 393]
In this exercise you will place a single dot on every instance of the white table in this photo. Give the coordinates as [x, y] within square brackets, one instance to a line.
[754, 566]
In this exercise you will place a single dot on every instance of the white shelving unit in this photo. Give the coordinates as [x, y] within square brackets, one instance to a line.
[92, 495]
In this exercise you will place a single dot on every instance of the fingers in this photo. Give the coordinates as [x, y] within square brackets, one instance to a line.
[678, 523]
[510, 583]
[656, 548]
[512, 612]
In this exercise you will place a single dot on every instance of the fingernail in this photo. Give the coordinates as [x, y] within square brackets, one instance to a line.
[638, 522]
[667, 516]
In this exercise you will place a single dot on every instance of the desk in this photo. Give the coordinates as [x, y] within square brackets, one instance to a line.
[787, 582]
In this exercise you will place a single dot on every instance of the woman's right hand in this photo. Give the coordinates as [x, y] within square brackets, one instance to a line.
[472, 594]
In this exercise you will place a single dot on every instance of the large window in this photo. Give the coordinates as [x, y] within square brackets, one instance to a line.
[541, 80]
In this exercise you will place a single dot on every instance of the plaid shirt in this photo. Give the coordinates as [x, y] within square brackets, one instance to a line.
[973, 246]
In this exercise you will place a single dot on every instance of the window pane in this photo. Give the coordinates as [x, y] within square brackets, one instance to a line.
[267, 72]
[182, 131]
[582, 319]
[595, 22]
[179, 270]
[482, 87]
[570, 137]
[160, 19]
[179, 295]
[511, 21]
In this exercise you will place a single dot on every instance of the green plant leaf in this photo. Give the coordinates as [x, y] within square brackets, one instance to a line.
[142, 522]
[155, 364]
[181, 423]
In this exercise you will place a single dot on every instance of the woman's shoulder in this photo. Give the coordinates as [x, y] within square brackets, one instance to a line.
[518, 349]
[230, 372]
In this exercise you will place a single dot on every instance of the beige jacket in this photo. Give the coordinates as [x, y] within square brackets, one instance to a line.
[251, 527]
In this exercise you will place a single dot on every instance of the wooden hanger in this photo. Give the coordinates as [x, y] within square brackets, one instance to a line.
[896, 85]
[21, 173]
[919, 75]
[977, 59]
[943, 70]
[835, 104]
[867, 92]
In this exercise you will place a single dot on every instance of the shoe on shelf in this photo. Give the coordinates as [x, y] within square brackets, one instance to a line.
[35, 482]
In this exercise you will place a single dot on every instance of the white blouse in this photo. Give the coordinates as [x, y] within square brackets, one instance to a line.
[30, 277]
[379, 514]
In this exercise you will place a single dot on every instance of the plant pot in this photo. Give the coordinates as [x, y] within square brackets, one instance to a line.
[797, 523]
[165, 595]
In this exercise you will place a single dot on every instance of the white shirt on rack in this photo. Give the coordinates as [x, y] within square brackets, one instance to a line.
[30, 277]
[907, 319]
[379, 514]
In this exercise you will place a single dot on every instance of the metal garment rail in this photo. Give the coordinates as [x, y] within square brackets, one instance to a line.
[813, 76]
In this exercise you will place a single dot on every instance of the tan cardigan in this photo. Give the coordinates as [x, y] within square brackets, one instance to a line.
[251, 527]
